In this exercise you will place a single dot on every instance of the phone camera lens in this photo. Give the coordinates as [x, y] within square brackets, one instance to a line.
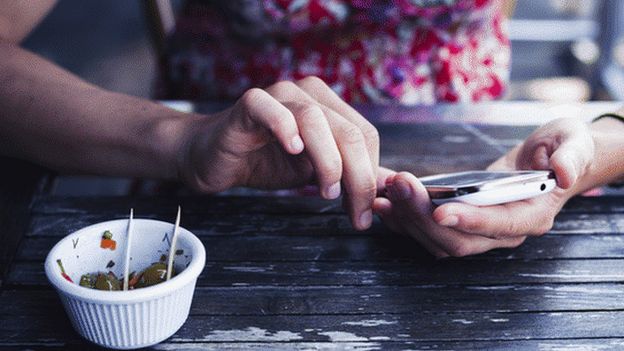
[543, 187]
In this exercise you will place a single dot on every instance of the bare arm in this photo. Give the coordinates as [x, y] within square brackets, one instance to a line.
[288, 135]
[52, 117]
[608, 165]
[18, 18]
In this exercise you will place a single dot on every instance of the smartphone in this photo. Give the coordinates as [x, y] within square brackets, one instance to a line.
[484, 188]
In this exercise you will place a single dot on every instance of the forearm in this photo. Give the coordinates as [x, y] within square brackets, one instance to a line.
[53, 118]
[608, 165]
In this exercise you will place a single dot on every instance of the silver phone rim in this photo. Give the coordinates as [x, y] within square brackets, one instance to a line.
[516, 177]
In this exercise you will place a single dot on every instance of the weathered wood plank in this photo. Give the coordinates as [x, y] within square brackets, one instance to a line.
[163, 206]
[452, 326]
[428, 148]
[349, 328]
[508, 114]
[19, 183]
[166, 206]
[606, 344]
[294, 224]
[233, 301]
[590, 204]
[544, 345]
[213, 224]
[459, 272]
[377, 247]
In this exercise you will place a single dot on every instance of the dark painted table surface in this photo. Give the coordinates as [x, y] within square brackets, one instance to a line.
[290, 273]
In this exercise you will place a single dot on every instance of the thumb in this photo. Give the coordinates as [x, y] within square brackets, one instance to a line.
[569, 163]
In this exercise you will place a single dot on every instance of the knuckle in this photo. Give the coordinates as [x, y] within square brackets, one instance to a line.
[366, 188]
[283, 86]
[251, 97]
[352, 135]
[333, 171]
[371, 134]
[369, 188]
[311, 113]
[313, 81]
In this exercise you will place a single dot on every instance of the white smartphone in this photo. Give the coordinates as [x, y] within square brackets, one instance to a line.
[484, 188]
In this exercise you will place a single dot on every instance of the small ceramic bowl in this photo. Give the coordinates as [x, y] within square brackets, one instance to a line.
[126, 319]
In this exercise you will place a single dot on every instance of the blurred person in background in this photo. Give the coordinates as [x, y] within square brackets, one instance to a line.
[400, 51]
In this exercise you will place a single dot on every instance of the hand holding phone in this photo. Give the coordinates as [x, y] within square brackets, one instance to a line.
[485, 188]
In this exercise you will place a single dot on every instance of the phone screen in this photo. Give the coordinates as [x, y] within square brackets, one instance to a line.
[468, 178]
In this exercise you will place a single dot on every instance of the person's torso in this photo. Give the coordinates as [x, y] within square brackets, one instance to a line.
[410, 51]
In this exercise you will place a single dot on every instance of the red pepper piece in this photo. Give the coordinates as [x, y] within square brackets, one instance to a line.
[63, 271]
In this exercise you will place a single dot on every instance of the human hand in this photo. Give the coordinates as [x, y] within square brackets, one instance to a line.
[288, 135]
[457, 229]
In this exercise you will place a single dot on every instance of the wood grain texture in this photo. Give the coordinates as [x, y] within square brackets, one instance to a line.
[19, 182]
[327, 224]
[461, 272]
[115, 206]
[381, 300]
[609, 344]
[378, 247]
[286, 273]
[462, 326]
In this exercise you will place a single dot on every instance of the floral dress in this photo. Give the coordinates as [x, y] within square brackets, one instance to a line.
[379, 51]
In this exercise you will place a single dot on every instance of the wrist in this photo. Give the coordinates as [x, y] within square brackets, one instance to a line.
[190, 148]
[608, 163]
[168, 138]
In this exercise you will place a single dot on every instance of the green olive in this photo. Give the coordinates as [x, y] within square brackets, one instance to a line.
[87, 281]
[107, 282]
[154, 274]
[107, 235]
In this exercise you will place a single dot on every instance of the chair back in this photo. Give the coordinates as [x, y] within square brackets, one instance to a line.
[161, 21]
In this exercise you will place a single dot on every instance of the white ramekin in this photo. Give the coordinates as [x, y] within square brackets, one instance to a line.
[126, 319]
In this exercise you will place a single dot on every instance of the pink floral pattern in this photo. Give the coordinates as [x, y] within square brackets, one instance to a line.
[380, 51]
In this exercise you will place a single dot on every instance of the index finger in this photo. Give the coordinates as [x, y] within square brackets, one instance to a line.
[358, 173]
[321, 92]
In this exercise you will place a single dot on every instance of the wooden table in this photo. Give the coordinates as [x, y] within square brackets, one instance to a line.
[290, 273]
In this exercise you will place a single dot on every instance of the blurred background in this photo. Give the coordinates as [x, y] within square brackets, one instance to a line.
[562, 51]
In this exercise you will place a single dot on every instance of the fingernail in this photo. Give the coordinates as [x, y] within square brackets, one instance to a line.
[333, 191]
[297, 144]
[449, 221]
[366, 218]
[403, 190]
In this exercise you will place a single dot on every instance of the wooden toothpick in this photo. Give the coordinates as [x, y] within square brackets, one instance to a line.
[172, 248]
[128, 246]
